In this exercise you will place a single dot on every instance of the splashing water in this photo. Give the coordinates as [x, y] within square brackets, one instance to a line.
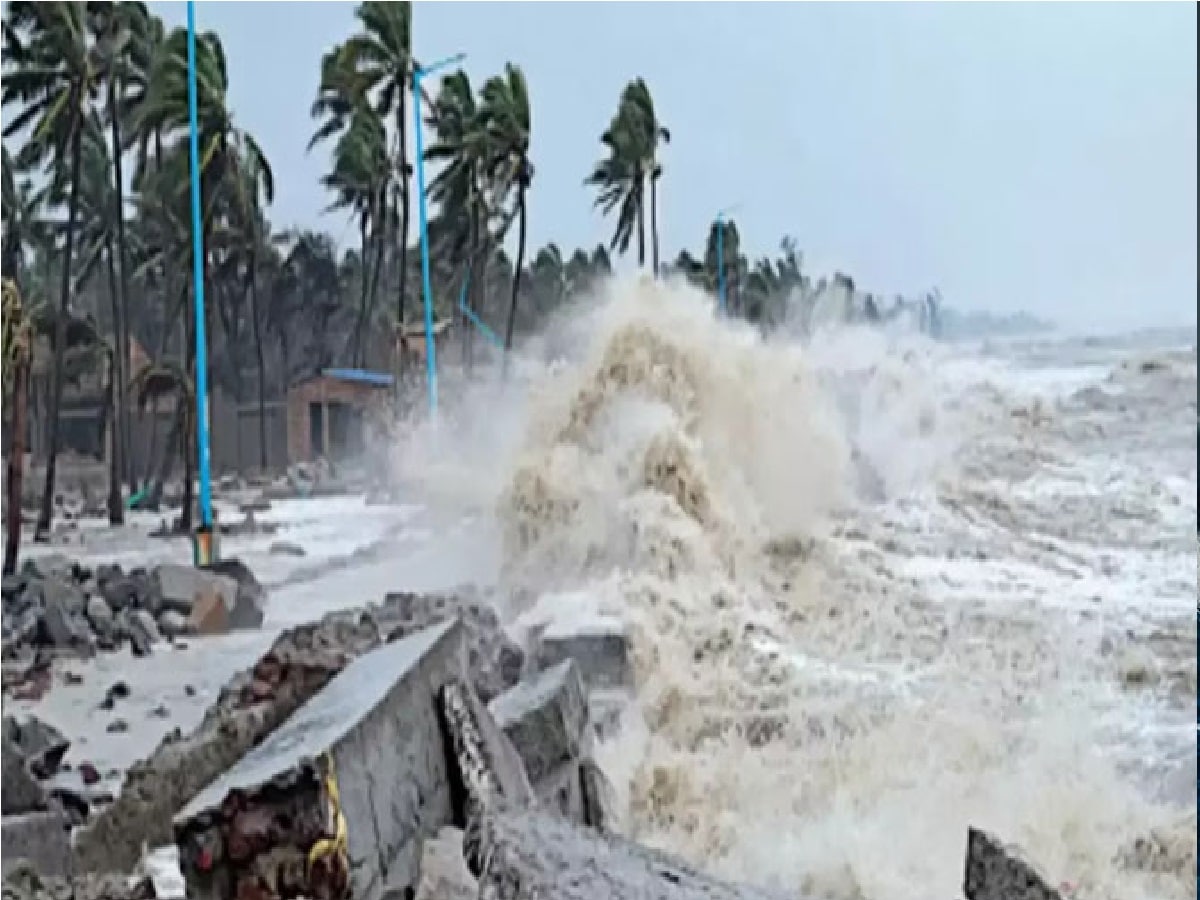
[877, 591]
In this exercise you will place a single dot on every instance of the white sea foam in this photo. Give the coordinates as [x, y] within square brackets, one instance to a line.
[877, 589]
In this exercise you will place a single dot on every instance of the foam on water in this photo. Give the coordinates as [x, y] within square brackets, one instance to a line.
[877, 591]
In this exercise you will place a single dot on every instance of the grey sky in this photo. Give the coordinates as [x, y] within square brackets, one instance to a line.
[1038, 156]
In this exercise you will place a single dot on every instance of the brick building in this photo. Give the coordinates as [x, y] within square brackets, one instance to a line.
[327, 414]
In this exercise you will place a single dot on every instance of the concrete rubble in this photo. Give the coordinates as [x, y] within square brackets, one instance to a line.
[405, 750]
[339, 798]
[998, 872]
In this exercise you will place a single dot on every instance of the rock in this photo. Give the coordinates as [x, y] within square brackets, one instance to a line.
[180, 587]
[173, 624]
[160, 712]
[100, 615]
[19, 792]
[72, 678]
[286, 548]
[247, 610]
[117, 726]
[119, 690]
[40, 745]
[600, 648]
[71, 803]
[63, 622]
[64, 593]
[41, 838]
[996, 872]
[132, 591]
[141, 629]
[89, 773]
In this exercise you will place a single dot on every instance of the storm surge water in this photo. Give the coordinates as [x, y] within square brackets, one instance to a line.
[878, 590]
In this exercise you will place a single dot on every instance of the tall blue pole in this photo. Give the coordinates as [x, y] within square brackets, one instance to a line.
[419, 73]
[721, 263]
[198, 277]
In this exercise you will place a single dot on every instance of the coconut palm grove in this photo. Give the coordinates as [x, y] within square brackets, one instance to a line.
[97, 245]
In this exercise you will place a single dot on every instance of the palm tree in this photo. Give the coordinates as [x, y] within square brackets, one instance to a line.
[505, 123]
[51, 73]
[149, 385]
[17, 351]
[637, 113]
[125, 33]
[381, 57]
[24, 222]
[632, 141]
[359, 180]
[461, 229]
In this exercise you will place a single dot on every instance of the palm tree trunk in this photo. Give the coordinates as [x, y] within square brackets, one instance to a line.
[380, 248]
[641, 221]
[654, 222]
[356, 336]
[42, 531]
[516, 285]
[262, 368]
[116, 508]
[116, 443]
[405, 205]
[15, 470]
[123, 267]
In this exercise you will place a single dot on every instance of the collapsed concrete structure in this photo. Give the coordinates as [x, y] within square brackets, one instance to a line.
[357, 744]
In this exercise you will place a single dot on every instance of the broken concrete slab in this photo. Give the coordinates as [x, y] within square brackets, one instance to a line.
[358, 773]
[256, 701]
[600, 647]
[998, 872]
[43, 839]
[546, 718]
[530, 853]
[180, 587]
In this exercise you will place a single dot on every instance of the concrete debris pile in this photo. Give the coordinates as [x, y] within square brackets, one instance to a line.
[36, 816]
[56, 608]
[408, 749]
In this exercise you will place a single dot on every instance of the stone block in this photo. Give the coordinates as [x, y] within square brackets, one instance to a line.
[546, 718]
[43, 839]
[180, 587]
[530, 853]
[997, 872]
[249, 606]
[339, 798]
[600, 648]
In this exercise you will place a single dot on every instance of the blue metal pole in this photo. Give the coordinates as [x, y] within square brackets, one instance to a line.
[721, 263]
[419, 73]
[202, 436]
[470, 314]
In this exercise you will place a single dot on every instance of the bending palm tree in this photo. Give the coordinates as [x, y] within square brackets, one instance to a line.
[632, 141]
[52, 74]
[505, 121]
[381, 57]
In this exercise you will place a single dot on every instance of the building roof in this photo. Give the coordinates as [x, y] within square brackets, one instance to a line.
[359, 376]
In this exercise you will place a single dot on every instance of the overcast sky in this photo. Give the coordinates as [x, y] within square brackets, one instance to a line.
[1037, 156]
